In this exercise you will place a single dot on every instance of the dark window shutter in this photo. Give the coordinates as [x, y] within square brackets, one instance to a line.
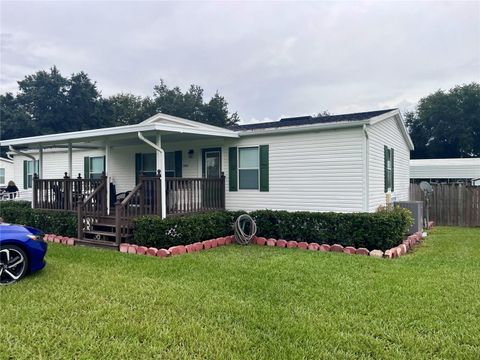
[264, 168]
[104, 164]
[25, 177]
[138, 166]
[385, 169]
[86, 167]
[232, 169]
[392, 177]
[178, 163]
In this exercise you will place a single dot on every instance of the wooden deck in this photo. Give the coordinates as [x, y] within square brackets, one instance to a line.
[89, 199]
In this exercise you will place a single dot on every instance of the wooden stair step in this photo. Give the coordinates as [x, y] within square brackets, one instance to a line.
[97, 243]
[99, 232]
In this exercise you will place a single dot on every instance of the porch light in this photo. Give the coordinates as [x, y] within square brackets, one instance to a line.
[190, 153]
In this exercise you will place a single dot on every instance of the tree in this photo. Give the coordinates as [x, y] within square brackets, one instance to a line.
[14, 120]
[190, 105]
[128, 109]
[82, 104]
[48, 102]
[447, 124]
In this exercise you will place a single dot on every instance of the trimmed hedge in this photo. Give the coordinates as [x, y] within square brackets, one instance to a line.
[381, 230]
[56, 222]
[182, 230]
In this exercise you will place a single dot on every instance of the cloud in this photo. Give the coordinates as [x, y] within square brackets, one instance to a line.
[267, 59]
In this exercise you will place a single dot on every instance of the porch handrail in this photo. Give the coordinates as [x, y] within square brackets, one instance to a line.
[144, 199]
[131, 194]
[61, 193]
[190, 195]
[88, 211]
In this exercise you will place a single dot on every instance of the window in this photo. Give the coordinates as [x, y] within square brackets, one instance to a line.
[170, 164]
[389, 169]
[248, 168]
[29, 169]
[97, 167]
[147, 163]
[2, 175]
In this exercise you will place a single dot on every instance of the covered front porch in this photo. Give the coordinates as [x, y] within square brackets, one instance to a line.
[163, 166]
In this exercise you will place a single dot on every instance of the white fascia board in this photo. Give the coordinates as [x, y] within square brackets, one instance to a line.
[301, 128]
[401, 124]
[6, 160]
[96, 133]
[214, 131]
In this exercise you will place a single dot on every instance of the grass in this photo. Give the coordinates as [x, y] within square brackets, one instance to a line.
[249, 302]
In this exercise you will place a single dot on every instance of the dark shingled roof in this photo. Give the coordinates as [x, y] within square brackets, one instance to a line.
[309, 120]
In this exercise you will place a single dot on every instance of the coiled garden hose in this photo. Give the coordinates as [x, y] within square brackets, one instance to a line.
[244, 224]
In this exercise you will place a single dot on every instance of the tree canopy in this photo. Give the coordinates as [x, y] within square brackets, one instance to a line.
[447, 124]
[48, 102]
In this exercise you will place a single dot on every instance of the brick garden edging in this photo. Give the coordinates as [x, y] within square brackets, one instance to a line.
[178, 249]
[392, 253]
[59, 239]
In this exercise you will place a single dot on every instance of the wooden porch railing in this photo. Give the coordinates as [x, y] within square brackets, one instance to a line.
[92, 208]
[144, 199]
[190, 195]
[62, 194]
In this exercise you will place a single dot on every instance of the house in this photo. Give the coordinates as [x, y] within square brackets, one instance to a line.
[6, 171]
[342, 163]
[445, 171]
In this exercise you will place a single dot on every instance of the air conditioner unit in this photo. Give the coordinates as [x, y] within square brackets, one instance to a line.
[416, 208]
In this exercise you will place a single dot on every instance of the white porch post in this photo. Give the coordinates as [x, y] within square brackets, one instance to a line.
[107, 157]
[70, 159]
[40, 162]
[161, 166]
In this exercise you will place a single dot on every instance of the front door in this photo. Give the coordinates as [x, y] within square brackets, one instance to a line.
[212, 163]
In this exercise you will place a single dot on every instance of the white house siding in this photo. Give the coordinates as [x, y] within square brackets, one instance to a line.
[445, 168]
[55, 164]
[121, 166]
[9, 171]
[387, 133]
[311, 171]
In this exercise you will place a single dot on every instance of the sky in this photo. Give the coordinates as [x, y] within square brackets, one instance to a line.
[268, 59]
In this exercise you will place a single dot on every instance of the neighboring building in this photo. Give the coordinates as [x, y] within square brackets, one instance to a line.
[331, 163]
[445, 171]
[6, 171]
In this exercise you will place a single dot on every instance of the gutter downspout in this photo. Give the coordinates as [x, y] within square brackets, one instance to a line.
[366, 172]
[10, 147]
[162, 163]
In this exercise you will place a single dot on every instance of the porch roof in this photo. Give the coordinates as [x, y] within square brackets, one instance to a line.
[159, 123]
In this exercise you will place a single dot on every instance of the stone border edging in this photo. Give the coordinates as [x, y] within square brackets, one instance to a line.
[59, 239]
[392, 253]
[178, 249]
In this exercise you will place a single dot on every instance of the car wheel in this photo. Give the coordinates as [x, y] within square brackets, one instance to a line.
[13, 264]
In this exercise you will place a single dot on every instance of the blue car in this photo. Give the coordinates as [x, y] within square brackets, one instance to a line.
[22, 251]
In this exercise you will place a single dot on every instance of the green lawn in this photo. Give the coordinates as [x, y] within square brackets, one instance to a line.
[249, 302]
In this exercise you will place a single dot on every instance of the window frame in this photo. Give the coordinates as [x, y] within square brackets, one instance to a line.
[389, 170]
[33, 166]
[174, 165]
[2, 176]
[240, 148]
[204, 162]
[90, 172]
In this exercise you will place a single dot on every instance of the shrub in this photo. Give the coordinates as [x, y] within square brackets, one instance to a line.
[380, 230]
[182, 230]
[56, 222]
